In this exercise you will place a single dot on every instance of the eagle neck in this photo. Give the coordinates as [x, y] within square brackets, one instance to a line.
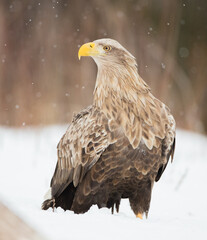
[118, 84]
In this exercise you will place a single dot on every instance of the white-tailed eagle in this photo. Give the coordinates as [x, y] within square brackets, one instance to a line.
[117, 147]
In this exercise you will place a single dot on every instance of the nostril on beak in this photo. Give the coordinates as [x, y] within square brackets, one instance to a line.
[91, 46]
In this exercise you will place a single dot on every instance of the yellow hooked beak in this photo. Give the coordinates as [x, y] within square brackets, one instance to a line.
[88, 49]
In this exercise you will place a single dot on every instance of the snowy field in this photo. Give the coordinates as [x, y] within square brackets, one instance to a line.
[179, 201]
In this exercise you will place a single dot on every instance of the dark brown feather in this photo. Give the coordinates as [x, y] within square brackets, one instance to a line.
[118, 147]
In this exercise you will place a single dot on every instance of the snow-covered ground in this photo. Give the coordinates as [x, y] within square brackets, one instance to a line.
[179, 202]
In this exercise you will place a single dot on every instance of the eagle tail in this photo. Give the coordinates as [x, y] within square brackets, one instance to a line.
[49, 200]
[48, 203]
[64, 200]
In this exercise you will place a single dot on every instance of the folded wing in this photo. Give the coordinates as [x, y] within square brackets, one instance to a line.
[80, 148]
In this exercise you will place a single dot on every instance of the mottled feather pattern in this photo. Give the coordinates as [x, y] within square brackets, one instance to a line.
[141, 115]
[117, 147]
[122, 170]
[80, 147]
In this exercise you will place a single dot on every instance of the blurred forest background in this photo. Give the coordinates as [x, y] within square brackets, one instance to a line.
[42, 82]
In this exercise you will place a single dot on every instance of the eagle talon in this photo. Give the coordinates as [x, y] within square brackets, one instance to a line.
[139, 215]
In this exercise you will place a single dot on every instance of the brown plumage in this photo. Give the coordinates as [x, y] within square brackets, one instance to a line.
[118, 146]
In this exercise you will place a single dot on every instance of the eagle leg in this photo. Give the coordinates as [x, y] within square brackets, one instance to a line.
[117, 206]
[112, 209]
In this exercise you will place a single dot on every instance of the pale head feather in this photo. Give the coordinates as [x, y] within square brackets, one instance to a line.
[117, 55]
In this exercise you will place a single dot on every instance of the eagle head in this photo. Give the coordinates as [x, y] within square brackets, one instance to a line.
[106, 51]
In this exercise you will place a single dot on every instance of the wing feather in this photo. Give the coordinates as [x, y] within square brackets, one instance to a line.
[170, 154]
[80, 148]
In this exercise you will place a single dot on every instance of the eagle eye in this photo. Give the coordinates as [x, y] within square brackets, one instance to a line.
[107, 48]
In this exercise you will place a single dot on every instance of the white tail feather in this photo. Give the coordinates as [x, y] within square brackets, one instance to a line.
[48, 194]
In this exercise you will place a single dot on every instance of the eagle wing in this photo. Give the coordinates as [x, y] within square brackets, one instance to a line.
[169, 155]
[80, 148]
[168, 144]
